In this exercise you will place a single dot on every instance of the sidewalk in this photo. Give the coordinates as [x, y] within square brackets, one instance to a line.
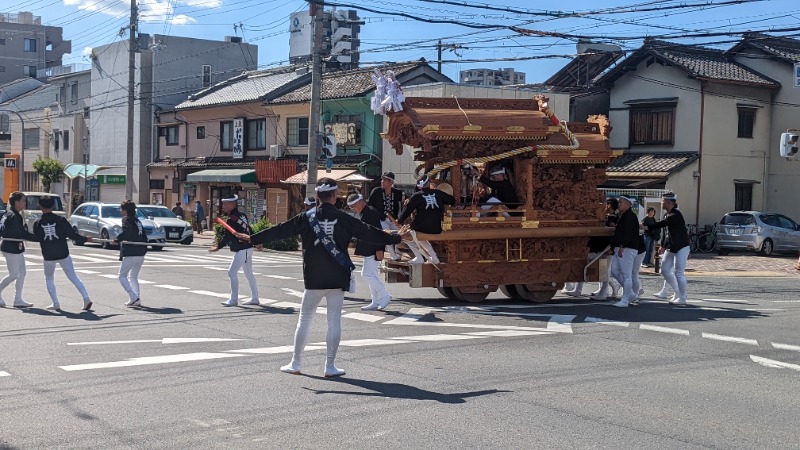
[738, 265]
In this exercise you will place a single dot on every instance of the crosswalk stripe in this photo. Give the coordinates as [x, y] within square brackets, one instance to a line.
[87, 258]
[171, 287]
[363, 317]
[4, 374]
[112, 276]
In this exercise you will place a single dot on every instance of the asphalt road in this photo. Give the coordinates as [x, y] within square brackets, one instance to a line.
[184, 372]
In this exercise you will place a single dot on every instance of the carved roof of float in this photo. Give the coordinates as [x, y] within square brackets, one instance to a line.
[427, 122]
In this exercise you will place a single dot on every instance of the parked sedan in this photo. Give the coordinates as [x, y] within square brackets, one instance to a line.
[177, 229]
[763, 232]
[104, 221]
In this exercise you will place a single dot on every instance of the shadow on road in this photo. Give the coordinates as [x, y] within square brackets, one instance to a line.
[401, 391]
[83, 315]
[165, 311]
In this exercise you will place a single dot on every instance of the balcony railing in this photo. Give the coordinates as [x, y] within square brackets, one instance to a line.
[62, 70]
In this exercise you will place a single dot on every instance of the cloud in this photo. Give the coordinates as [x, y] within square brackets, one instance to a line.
[150, 11]
[182, 19]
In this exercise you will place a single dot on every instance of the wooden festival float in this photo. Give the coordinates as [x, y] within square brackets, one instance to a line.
[530, 249]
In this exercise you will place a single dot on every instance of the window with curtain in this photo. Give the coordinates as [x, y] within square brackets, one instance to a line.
[652, 126]
[256, 134]
[747, 119]
[226, 136]
[743, 193]
[297, 131]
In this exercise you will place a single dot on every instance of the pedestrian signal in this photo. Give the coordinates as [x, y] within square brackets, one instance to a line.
[789, 144]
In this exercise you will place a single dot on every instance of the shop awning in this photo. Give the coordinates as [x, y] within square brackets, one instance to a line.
[223, 176]
[90, 170]
[340, 175]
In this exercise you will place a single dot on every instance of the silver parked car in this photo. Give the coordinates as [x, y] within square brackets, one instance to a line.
[763, 232]
[176, 229]
[104, 221]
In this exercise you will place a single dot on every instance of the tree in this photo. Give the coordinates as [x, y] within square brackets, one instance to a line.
[49, 170]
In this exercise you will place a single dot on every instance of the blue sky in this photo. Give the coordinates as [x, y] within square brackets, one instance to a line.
[389, 37]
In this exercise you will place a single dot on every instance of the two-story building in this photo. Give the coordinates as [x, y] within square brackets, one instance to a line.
[695, 121]
[777, 58]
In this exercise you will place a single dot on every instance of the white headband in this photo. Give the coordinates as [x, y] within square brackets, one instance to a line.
[500, 171]
[326, 188]
[627, 199]
[423, 182]
[235, 198]
[309, 201]
[670, 196]
[355, 200]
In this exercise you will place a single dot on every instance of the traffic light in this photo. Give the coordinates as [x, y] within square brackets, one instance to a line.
[790, 141]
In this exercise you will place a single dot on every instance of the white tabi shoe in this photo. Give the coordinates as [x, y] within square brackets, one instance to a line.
[22, 304]
[291, 368]
[660, 295]
[573, 293]
[334, 371]
[621, 304]
[678, 301]
[384, 302]
[371, 307]
[53, 307]
[254, 301]
[230, 303]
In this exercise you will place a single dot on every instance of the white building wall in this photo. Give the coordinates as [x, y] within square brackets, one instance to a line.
[657, 82]
[783, 181]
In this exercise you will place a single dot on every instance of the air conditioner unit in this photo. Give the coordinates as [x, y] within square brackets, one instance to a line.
[790, 142]
[277, 151]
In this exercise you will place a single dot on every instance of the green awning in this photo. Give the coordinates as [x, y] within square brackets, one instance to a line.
[223, 176]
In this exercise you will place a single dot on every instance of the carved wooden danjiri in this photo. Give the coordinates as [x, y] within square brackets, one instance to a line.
[528, 249]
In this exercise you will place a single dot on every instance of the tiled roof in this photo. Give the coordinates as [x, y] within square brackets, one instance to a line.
[347, 83]
[649, 164]
[782, 47]
[699, 62]
[17, 87]
[248, 87]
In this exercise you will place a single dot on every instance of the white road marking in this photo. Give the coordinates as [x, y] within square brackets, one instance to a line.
[87, 272]
[279, 277]
[371, 342]
[214, 268]
[174, 288]
[724, 300]
[149, 360]
[557, 324]
[4, 374]
[274, 350]
[774, 363]
[287, 305]
[738, 340]
[794, 348]
[560, 323]
[215, 294]
[438, 337]
[664, 329]
[506, 333]
[363, 317]
[786, 301]
[160, 341]
[87, 259]
[293, 292]
[114, 277]
[601, 321]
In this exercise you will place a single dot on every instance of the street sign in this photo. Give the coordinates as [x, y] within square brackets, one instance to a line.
[238, 138]
[10, 163]
[797, 75]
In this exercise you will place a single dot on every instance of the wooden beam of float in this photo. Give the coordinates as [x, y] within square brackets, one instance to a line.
[515, 233]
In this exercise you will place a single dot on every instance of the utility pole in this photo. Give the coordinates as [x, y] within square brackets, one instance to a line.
[131, 88]
[439, 57]
[314, 115]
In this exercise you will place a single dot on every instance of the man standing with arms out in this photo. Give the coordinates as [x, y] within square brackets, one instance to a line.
[11, 227]
[178, 211]
[131, 255]
[429, 206]
[53, 232]
[326, 233]
[199, 216]
[387, 200]
[675, 247]
[243, 252]
[372, 254]
[650, 237]
[625, 244]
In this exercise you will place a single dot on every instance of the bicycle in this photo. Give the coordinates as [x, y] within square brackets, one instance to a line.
[694, 244]
[707, 240]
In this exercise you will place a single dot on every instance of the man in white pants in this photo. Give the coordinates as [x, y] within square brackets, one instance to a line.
[131, 255]
[324, 274]
[675, 248]
[372, 254]
[14, 251]
[625, 243]
[243, 252]
[53, 233]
